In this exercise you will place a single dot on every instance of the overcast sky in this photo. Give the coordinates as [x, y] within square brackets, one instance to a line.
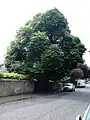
[14, 13]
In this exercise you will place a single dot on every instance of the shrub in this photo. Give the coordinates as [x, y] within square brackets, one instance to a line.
[13, 76]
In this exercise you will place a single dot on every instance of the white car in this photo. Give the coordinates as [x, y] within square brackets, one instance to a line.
[69, 87]
[81, 83]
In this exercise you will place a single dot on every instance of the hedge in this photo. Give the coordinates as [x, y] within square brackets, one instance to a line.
[12, 76]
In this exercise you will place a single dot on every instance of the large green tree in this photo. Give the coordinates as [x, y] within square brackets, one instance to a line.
[56, 27]
[39, 45]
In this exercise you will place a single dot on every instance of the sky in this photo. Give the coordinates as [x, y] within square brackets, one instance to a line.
[14, 13]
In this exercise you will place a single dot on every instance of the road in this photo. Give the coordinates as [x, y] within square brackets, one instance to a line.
[62, 106]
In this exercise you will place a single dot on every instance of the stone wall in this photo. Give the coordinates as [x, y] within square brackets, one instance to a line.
[14, 87]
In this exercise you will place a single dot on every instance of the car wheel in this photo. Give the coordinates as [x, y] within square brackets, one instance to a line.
[74, 90]
[71, 90]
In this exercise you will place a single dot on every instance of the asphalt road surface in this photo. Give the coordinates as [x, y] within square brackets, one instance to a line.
[62, 106]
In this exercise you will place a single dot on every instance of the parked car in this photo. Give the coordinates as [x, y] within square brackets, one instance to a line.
[69, 87]
[86, 115]
[81, 83]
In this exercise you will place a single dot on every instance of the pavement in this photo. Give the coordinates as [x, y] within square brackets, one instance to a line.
[61, 106]
[8, 99]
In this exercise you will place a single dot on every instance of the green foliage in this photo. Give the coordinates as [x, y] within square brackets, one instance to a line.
[73, 50]
[17, 51]
[52, 22]
[1, 75]
[38, 44]
[13, 76]
[45, 45]
[52, 62]
[25, 62]
[76, 73]
[84, 68]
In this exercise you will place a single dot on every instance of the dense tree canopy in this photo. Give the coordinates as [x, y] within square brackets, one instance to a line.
[45, 45]
[52, 22]
[21, 56]
[73, 51]
[52, 62]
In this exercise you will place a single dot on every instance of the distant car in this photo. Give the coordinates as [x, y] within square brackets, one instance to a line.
[69, 87]
[86, 115]
[81, 83]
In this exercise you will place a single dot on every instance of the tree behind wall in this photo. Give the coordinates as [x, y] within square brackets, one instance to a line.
[34, 44]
